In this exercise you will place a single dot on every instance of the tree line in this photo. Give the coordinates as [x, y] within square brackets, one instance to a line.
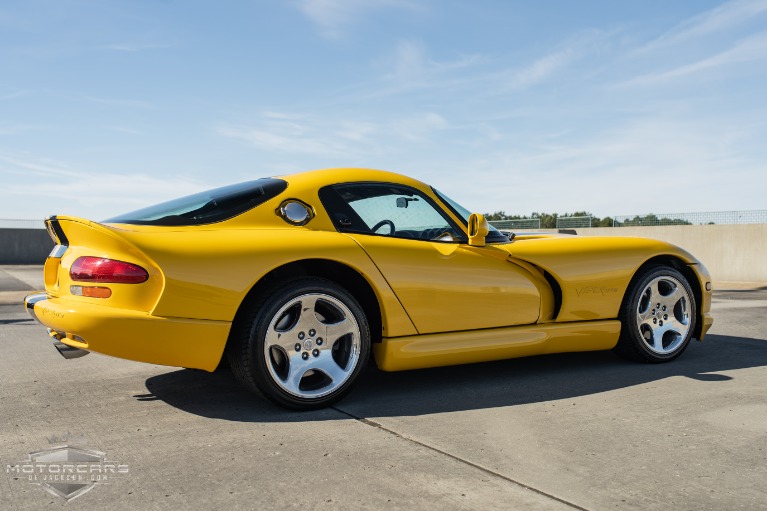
[549, 221]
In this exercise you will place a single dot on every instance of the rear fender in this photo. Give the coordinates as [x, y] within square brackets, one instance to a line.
[77, 237]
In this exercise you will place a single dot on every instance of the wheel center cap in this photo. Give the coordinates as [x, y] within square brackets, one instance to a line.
[308, 344]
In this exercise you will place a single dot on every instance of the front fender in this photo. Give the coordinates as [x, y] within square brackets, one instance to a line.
[593, 272]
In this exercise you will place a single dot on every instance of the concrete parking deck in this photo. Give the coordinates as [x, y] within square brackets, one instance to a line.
[18, 281]
[583, 431]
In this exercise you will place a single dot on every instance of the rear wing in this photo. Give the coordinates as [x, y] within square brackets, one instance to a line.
[81, 239]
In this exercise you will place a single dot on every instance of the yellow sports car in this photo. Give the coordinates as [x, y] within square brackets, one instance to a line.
[294, 280]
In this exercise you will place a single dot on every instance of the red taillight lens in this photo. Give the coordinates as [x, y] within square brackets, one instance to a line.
[97, 269]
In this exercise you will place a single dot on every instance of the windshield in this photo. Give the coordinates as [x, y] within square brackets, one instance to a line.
[493, 234]
[206, 207]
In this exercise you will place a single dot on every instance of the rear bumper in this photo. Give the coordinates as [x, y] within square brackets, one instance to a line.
[129, 334]
[31, 300]
[66, 351]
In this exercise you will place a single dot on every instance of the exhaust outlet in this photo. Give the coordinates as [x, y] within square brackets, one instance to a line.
[68, 352]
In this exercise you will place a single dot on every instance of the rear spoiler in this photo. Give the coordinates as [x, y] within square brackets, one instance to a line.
[57, 235]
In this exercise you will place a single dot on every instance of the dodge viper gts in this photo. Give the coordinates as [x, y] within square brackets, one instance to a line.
[295, 281]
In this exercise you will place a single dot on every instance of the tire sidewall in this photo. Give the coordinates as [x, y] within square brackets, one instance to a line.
[260, 326]
[632, 304]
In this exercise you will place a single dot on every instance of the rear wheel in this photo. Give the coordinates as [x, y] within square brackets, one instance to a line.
[302, 345]
[657, 316]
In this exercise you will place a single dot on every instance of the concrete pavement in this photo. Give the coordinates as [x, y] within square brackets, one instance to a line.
[576, 431]
[17, 281]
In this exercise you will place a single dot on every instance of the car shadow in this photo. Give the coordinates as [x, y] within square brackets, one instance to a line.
[468, 387]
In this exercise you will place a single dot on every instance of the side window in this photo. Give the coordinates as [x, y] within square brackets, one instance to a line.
[387, 210]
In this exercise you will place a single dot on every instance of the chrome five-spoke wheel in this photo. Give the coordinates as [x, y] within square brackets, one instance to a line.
[663, 315]
[657, 316]
[312, 345]
[301, 343]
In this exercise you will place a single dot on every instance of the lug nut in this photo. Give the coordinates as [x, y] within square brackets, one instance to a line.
[301, 336]
[319, 341]
[654, 320]
[661, 322]
[297, 347]
[316, 353]
[665, 316]
[304, 355]
[664, 308]
[312, 332]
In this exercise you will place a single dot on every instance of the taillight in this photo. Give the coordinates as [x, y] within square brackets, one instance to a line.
[98, 269]
[91, 291]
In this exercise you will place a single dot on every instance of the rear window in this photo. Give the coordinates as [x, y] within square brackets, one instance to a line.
[207, 207]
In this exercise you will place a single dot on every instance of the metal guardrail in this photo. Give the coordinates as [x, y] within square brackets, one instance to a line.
[705, 218]
[520, 223]
[13, 223]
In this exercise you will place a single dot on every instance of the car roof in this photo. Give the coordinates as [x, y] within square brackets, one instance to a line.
[318, 178]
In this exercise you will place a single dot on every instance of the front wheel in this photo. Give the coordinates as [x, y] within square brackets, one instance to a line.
[302, 345]
[657, 316]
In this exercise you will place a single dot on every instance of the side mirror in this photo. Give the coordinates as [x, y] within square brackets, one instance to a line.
[478, 229]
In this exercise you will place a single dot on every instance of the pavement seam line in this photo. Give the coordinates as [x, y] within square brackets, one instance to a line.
[486, 470]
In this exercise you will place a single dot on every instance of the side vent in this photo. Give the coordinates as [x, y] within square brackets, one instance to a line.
[557, 289]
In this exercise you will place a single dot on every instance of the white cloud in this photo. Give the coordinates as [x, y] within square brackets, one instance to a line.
[332, 16]
[661, 164]
[747, 50]
[13, 95]
[344, 140]
[410, 65]
[122, 103]
[335, 139]
[720, 18]
[418, 128]
[131, 47]
[289, 138]
[409, 68]
[125, 129]
[88, 194]
[42, 168]
[541, 69]
[17, 129]
[357, 131]
[514, 120]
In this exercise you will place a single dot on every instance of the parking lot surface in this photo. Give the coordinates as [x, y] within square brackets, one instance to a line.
[572, 431]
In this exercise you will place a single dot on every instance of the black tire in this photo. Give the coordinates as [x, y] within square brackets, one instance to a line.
[301, 344]
[657, 316]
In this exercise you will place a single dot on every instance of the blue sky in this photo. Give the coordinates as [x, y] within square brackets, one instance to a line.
[616, 107]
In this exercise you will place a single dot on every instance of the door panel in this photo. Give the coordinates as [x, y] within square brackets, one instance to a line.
[447, 287]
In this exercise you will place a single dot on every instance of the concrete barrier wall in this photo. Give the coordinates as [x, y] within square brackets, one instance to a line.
[732, 253]
[24, 246]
